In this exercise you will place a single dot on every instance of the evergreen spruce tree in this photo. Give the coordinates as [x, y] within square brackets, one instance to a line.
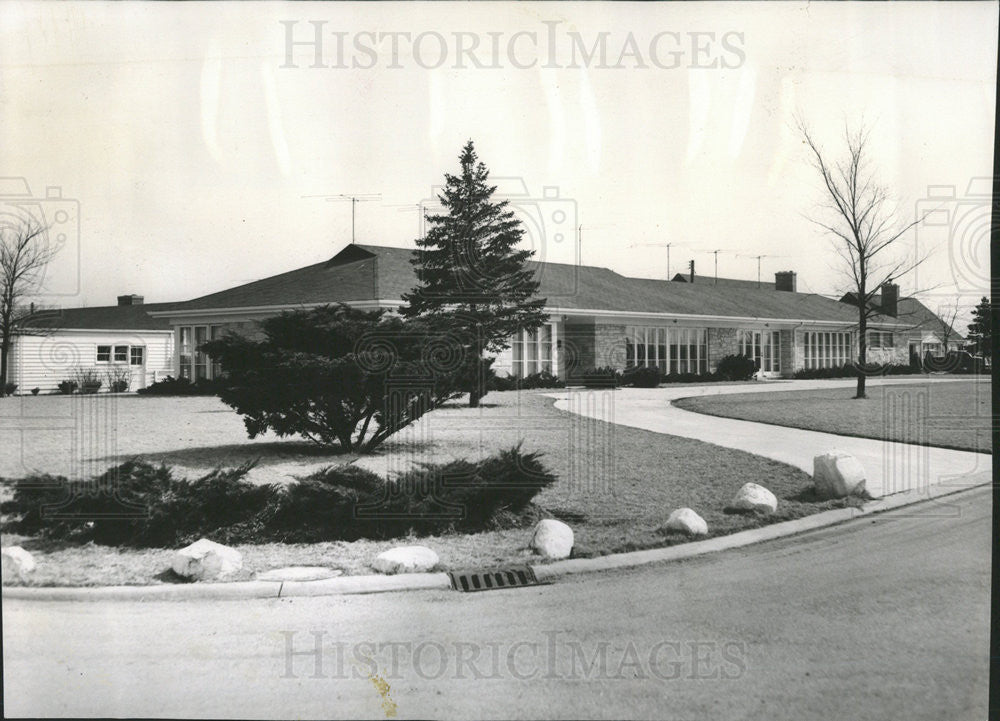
[980, 330]
[472, 279]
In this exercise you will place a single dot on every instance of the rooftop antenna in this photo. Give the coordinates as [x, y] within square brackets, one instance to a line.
[411, 207]
[660, 245]
[758, 257]
[716, 254]
[355, 199]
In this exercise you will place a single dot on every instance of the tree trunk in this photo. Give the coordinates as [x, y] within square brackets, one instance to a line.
[862, 357]
[4, 354]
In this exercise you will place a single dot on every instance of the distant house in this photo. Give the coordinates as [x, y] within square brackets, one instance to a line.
[53, 344]
[597, 317]
[924, 332]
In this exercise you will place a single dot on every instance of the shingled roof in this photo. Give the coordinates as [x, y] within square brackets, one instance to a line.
[110, 317]
[911, 313]
[723, 282]
[368, 272]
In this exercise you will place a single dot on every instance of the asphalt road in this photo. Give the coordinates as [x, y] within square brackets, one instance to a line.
[881, 618]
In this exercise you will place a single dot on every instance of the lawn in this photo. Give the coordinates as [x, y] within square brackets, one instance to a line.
[617, 485]
[950, 415]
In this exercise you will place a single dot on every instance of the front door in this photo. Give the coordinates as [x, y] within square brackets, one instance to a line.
[764, 348]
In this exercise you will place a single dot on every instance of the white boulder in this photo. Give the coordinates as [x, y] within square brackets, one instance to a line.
[552, 539]
[17, 564]
[838, 474]
[686, 520]
[752, 497]
[406, 559]
[206, 560]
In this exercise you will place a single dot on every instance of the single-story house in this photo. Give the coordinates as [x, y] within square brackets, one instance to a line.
[925, 331]
[122, 340]
[596, 317]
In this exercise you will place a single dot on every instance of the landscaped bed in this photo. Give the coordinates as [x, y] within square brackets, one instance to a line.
[616, 486]
[955, 414]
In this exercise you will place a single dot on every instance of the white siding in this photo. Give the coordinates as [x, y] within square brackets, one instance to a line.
[44, 361]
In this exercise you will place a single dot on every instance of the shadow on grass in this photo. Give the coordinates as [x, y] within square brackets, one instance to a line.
[237, 453]
[168, 576]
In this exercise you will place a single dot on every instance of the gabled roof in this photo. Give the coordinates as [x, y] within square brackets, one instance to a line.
[911, 313]
[109, 317]
[370, 273]
[724, 282]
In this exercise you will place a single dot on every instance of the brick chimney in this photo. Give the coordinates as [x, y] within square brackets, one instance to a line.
[890, 298]
[130, 300]
[691, 266]
[785, 280]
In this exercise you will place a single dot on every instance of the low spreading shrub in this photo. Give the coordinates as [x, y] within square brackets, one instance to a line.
[9, 388]
[141, 505]
[603, 377]
[35, 391]
[693, 378]
[641, 377]
[736, 368]
[542, 379]
[851, 370]
[337, 375]
[171, 386]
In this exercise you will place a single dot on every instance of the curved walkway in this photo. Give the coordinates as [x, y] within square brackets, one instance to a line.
[890, 467]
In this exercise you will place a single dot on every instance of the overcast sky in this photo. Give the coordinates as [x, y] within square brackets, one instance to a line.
[198, 141]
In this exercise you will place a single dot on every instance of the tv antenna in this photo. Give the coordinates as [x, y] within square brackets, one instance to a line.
[668, 246]
[716, 254]
[758, 257]
[355, 199]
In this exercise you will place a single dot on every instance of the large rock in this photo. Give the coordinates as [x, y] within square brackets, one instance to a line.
[752, 497]
[406, 559]
[552, 539]
[838, 475]
[206, 560]
[17, 564]
[686, 520]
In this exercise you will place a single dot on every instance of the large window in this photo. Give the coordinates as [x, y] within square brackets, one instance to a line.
[672, 350]
[103, 354]
[763, 347]
[827, 350]
[195, 363]
[880, 339]
[531, 351]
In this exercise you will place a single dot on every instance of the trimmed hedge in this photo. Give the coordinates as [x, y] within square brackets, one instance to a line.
[736, 368]
[641, 377]
[542, 379]
[151, 508]
[171, 386]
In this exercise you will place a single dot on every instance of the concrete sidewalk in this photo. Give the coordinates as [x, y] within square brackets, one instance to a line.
[891, 467]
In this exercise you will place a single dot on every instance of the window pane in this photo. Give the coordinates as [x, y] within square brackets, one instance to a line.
[121, 353]
[103, 353]
[136, 354]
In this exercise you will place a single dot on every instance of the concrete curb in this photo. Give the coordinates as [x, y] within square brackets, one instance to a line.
[345, 585]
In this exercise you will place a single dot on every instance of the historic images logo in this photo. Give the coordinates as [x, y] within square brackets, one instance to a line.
[315, 44]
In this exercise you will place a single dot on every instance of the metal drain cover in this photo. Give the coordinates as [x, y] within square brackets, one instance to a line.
[493, 579]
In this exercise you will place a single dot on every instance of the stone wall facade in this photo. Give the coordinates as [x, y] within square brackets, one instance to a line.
[721, 342]
[609, 345]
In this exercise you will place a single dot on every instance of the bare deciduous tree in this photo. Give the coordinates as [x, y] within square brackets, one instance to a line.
[24, 255]
[863, 225]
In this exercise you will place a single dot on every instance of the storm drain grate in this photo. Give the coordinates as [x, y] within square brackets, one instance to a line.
[493, 579]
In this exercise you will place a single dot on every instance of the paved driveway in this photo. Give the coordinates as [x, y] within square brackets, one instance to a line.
[890, 467]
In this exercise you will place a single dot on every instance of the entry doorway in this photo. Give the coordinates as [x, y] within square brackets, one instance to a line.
[764, 348]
